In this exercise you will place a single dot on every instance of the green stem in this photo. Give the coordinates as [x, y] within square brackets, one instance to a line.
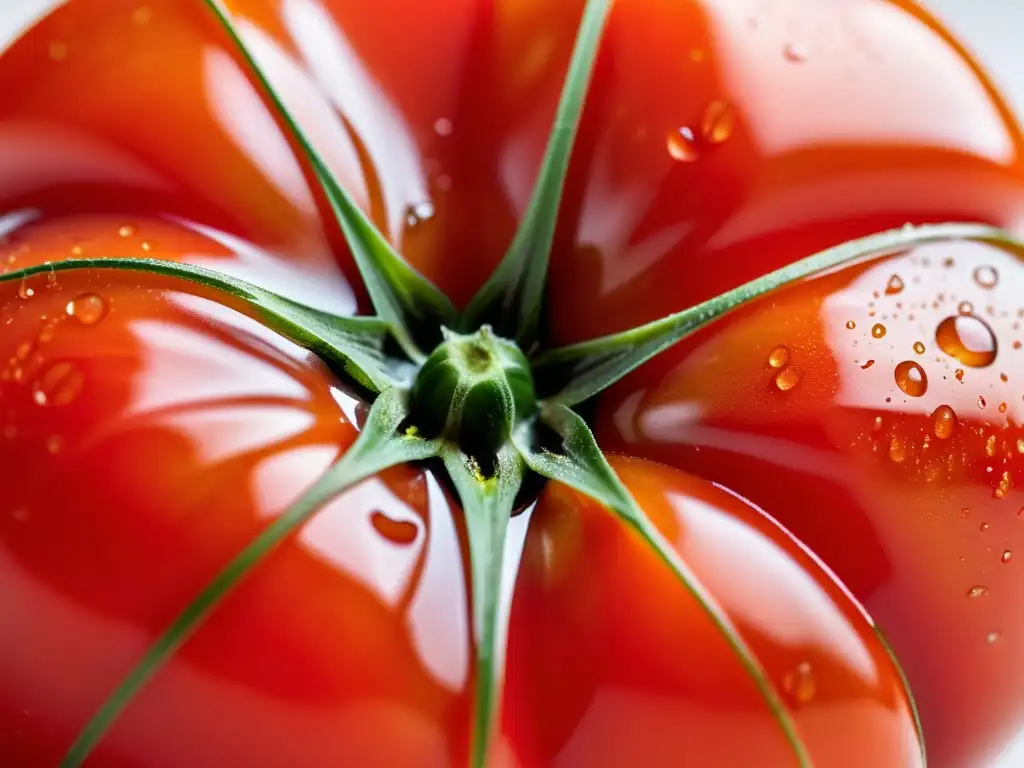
[356, 344]
[378, 447]
[411, 304]
[510, 301]
[487, 505]
[573, 374]
[584, 468]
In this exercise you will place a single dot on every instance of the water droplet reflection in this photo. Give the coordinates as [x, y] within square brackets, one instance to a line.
[968, 339]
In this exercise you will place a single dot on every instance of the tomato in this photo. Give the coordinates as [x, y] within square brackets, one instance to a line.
[150, 428]
[876, 413]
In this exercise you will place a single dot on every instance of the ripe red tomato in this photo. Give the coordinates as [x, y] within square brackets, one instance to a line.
[149, 430]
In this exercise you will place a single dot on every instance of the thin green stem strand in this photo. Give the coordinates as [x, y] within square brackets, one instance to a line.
[378, 447]
[570, 375]
[400, 295]
[586, 469]
[510, 301]
[487, 506]
[906, 688]
[354, 343]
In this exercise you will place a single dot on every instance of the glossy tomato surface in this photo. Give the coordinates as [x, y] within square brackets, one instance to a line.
[149, 430]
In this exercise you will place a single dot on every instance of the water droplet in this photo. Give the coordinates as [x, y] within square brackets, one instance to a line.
[718, 122]
[145, 246]
[795, 53]
[978, 590]
[799, 683]
[867, 365]
[895, 285]
[983, 527]
[965, 308]
[788, 378]
[981, 402]
[965, 513]
[58, 385]
[850, 325]
[944, 419]
[1002, 407]
[878, 423]
[24, 292]
[911, 378]
[993, 637]
[443, 126]
[54, 444]
[778, 357]
[88, 309]
[898, 449]
[419, 213]
[58, 51]
[682, 145]
[968, 339]
[986, 277]
[959, 373]
[1006, 557]
[397, 531]
[126, 231]
[1020, 445]
[990, 446]
[919, 347]
[1004, 487]
[878, 330]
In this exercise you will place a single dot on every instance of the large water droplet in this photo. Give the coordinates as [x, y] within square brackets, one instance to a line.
[788, 378]
[967, 338]
[986, 277]
[88, 309]
[778, 357]
[945, 421]
[799, 683]
[58, 385]
[718, 122]
[397, 531]
[682, 145]
[894, 286]
[911, 378]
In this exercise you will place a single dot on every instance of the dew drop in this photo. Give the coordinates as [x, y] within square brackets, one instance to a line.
[990, 446]
[894, 286]
[1020, 445]
[919, 347]
[126, 231]
[944, 422]
[799, 683]
[795, 53]
[898, 449]
[419, 213]
[959, 374]
[983, 527]
[718, 122]
[24, 292]
[965, 513]
[778, 357]
[396, 531]
[981, 402]
[968, 339]
[911, 378]
[965, 308]
[788, 378]
[58, 385]
[986, 277]
[978, 590]
[88, 309]
[1006, 557]
[1004, 486]
[443, 126]
[850, 325]
[682, 145]
[878, 330]
[867, 365]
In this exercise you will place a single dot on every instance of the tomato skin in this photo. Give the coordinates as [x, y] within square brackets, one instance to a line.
[174, 431]
[919, 516]
[612, 663]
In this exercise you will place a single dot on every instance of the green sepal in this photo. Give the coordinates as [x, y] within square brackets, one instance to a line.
[487, 504]
[355, 345]
[583, 466]
[381, 444]
[410, 303]
[510, 301]
[573, 374]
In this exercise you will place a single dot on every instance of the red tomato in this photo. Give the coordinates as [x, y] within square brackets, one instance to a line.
[876, 413]
[149, 430]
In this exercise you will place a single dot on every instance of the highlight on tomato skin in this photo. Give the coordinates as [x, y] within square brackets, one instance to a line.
[146, 436]
[611, 662]
[876, 413]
